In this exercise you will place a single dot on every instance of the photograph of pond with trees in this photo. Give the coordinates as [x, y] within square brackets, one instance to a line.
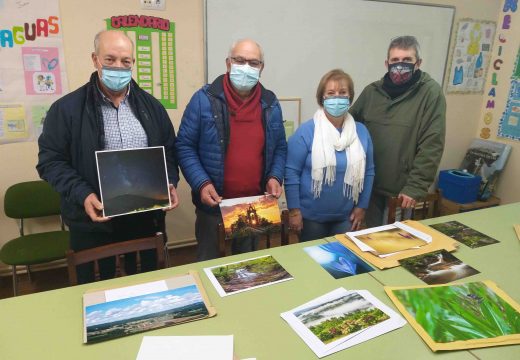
[247, 274]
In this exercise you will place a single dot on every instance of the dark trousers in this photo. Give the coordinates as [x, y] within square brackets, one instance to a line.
[313, 230]
[207, 237]
[124, 228]
[375, 215]
[377, 212]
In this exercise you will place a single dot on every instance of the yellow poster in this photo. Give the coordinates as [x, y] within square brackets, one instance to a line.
[12, 122]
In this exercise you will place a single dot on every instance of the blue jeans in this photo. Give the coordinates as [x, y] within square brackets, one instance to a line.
[313, 230]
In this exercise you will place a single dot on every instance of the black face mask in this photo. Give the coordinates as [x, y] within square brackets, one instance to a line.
[400, 73]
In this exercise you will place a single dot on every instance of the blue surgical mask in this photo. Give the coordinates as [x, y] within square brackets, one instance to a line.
[244, 77]
[115, 79]
[336, 106]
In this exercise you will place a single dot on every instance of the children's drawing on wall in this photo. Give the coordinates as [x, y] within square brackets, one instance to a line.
[32, 66]
[38, 117]
[42, 70]
[12, 123]
[509, 126]
[470, 56]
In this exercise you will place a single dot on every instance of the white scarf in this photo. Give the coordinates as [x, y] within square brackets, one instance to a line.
[327, 140]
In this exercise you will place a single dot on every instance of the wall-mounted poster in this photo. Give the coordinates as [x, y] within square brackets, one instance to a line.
[41, 67]
[12, 122]
[470, 56]
[509, 126]
[155, 66]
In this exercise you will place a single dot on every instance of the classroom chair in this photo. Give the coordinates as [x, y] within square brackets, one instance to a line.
[28, 200]
[75, 258]
[425, 208]
[225, 246]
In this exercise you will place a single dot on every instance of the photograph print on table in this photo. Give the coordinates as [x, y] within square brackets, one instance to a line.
[459, 316]
[389, 239]
[113, 319]
[245, 275]
[337, 260]
[464, 234]
[341, 319]
[438, 267]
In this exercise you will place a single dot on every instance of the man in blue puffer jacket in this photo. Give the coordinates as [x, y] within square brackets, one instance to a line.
[231, 143]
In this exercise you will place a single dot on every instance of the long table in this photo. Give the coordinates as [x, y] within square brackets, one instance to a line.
[48, 325]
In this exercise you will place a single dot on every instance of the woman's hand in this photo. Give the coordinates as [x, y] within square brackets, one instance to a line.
[357, 217]
[295, 220]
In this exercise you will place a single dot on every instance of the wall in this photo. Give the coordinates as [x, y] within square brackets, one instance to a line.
[430, 24]
[81, 20]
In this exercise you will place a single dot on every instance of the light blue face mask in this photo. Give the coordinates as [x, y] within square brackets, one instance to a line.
[116, 79]
[244, 77]
[336, 106]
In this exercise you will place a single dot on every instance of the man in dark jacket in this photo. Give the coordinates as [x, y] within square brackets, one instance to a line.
[109, 112]
[231, 143]
[405, 113]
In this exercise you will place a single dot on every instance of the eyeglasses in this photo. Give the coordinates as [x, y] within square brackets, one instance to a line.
[241, 61]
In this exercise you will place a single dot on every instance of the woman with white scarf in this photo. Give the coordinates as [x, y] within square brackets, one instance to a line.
[329, 170]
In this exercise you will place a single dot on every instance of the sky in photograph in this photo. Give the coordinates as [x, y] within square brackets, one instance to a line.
[135, 172]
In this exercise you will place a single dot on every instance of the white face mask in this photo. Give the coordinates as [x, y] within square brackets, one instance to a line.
[244, 77]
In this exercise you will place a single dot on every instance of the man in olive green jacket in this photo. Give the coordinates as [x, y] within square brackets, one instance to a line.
[405, 113]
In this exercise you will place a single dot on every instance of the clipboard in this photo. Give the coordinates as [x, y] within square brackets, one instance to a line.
[193, 305]
[439, 242]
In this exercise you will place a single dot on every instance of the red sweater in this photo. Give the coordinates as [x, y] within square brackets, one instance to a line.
[245, 152]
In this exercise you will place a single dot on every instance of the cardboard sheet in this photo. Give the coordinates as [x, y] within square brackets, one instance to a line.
[439, 241]
[143, 308]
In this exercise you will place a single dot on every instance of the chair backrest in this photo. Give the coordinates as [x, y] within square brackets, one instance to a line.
[31, 199]
[425, 208]
[75, 258]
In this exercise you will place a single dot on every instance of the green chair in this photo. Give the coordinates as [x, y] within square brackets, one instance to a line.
[32, 199]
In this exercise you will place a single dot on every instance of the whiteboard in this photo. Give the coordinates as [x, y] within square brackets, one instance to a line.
[303, 39]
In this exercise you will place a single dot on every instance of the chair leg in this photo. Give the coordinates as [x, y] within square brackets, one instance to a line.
[221, 234]
[29, 273]
[15, 282]
[166, 257]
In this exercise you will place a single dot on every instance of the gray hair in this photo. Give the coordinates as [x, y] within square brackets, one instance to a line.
[405, 42]
[97, 39]
[235, 43]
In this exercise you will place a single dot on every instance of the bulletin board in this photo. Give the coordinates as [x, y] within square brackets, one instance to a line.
[32, 66]
[303, 39]
[470, 56]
